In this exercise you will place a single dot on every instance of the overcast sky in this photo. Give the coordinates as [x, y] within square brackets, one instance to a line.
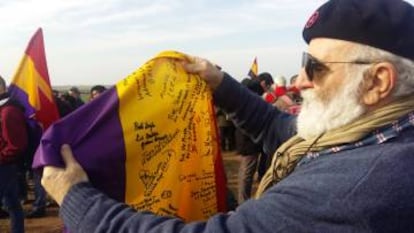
[101, 41]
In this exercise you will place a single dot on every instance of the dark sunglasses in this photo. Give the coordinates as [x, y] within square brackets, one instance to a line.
[311, 64]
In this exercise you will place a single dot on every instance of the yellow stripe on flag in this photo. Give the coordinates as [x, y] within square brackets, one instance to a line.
[27, 78]
[169, 155]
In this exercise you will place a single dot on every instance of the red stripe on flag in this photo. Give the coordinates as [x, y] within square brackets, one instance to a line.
[48, 112]
[36, 51]
[38, 87]
[221, 179]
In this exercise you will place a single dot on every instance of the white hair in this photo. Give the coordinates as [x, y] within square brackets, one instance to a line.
[318, 116]
[405, 67]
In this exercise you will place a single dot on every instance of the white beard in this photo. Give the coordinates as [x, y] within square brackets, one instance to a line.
[317, 117]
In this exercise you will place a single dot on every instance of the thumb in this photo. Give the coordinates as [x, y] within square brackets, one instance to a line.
[195, 64]
[191, 67]
[190, 59]
[67, 156]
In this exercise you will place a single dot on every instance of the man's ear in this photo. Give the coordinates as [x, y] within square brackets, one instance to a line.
[379, 83]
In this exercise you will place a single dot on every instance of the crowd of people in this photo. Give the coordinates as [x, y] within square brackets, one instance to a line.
[72, 99]
[231, 139]
[337, 143]
[252, 158]
[16, 158]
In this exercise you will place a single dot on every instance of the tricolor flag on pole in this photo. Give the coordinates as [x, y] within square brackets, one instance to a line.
[31, 85]
[150, 141]
[254, 69]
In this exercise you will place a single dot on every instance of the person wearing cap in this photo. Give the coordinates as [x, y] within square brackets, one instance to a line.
[349, 168]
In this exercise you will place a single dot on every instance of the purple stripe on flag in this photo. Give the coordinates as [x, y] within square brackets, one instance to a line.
[21, 96]
[95, 134]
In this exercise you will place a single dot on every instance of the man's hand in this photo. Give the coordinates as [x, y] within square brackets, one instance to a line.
[206, 70]
[58, 181]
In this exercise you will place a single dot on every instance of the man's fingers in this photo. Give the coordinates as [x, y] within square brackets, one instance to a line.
[67, 156]
[191, 59]
[192, 67]
[195, 64]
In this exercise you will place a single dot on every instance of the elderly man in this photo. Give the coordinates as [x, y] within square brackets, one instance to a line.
[349, 168]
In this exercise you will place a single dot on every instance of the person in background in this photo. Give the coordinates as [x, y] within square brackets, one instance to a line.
[64, 106]
[96, 91]
[344, 164]
[275, 91]
[267, 82]
[13, 143]
[75, 93]
[294, 93]
[282, 101]
[226, 129]
[248, 152]
[39, 204]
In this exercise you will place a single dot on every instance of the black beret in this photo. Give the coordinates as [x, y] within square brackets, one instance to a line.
[383, 24]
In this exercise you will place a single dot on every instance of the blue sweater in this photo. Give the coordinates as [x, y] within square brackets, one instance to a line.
[368, 189]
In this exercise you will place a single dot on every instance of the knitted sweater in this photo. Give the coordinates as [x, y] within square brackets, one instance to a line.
[367, 189]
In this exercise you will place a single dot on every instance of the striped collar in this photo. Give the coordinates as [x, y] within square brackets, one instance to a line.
[378, 136]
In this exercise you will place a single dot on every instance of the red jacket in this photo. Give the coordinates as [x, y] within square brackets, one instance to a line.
[13, 138]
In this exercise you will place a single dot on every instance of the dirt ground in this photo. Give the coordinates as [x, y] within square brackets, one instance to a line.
[52, 223]
[49, 224]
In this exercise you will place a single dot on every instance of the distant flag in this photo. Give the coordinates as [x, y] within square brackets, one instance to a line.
[254, 69]
[31, 85]
[150, 141]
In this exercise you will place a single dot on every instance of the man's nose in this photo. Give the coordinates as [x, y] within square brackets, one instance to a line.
[303, 82]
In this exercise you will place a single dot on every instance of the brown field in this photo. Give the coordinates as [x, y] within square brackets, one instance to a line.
[52, 223]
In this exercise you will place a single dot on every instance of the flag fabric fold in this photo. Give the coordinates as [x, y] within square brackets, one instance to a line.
[31, 85]
[253, 72]
[149, 141]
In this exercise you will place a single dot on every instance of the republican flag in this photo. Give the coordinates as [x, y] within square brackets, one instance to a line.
[150, 141]
[254, 69]
[31, 84]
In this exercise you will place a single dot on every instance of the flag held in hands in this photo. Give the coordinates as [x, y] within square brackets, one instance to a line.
[150, 141]
[31, 86]
[254, 69]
